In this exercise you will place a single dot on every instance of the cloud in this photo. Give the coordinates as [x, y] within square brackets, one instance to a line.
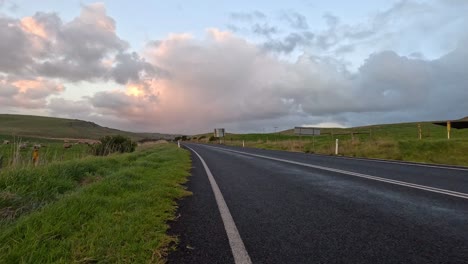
[229, 80]
[185, 84]
[12, 7]
[247, 16]
[7, 90]
[295, 20]
[264, 29]
[86, 48]
[223, 79]
[27, 93]
[290, 42]
[405, 19]
[131, 67]
[82, 46]
[14, 47]
[70, 108]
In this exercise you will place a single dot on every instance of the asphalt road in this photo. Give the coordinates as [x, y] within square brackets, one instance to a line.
[301, 208]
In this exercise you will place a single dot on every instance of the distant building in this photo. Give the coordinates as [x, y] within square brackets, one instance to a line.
[458, 124]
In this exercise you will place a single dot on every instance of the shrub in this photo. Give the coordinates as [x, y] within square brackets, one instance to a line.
[181, 138]
[111, 144]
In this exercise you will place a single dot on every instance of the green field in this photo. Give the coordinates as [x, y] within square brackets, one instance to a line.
[389, 141]
[12, 155]
[92, 210]
[52, 133]
[50, 127]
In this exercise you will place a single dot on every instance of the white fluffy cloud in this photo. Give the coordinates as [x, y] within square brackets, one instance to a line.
[224, 79]
[27, 93]
[44, 50]
[185, 84]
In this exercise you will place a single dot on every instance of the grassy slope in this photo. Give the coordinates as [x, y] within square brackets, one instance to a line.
[389, 141]
[50, 127]
[107, 210]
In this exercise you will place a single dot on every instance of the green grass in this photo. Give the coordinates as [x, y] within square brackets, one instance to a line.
[98, 209]
[52, 150]
[388, 141]
[50, 127]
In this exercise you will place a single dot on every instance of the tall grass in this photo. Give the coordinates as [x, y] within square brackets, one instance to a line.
[12, 155]
[97, 209]
[428, 150]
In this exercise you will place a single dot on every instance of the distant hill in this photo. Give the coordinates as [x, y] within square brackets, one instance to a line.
[398, 131]
[51, 127]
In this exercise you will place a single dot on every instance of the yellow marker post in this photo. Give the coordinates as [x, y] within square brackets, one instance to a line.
[449, 126]
[35, 156]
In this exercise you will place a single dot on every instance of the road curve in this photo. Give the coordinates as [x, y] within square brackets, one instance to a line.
[301, 208]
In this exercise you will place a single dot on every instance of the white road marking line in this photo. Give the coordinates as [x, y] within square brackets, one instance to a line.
[405, 163]
[235, 241]
[407, 184]
[460, 168]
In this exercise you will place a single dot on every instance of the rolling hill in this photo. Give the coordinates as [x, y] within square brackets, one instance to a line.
[51, 127]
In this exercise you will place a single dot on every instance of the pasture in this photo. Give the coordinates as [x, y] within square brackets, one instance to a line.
[387, 141]
[19, 151]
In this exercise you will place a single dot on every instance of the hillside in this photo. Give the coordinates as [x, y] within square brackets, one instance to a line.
[397, 131]
[50, 127]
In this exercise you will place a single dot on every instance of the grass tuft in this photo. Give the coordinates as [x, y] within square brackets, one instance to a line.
[99, 209]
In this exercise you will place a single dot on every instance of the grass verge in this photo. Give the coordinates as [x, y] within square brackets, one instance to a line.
[107, 210]
[437, 151]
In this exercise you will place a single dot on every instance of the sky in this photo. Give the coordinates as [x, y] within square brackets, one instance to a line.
[191, 66]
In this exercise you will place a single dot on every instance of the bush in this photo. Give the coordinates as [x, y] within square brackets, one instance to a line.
[181, 138]
[111, 144]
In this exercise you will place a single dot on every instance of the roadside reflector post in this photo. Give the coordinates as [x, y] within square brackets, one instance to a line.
[449, 126]
[243, 143]
[313, 143]
[336, 147]
[419, 131]
[178, 143]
